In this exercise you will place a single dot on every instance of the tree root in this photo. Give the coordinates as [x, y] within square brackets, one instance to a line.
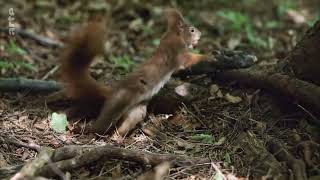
[300, 91]
[308, 150]
[297, 166]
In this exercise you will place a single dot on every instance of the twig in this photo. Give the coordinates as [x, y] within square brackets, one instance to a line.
[221, 175]
[314, 119]
[19, 143]
[38, 38]
[52, 71]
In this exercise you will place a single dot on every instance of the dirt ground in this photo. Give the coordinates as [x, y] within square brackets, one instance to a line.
[238, 127]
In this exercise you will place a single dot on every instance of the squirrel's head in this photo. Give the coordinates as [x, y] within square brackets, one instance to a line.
[177, 24]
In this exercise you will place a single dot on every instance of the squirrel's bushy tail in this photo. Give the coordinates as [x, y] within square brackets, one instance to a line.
[80, 50]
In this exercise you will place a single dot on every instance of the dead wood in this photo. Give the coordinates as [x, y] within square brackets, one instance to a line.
[30, 85]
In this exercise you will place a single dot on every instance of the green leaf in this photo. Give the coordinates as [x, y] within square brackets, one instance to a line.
[6, 65]
[218, 176]
[58, 122]
[227, 160]
[237, 20]
[14, 64]
[123, 63]
[205, 138]
[156, 42]
[272, 24]
[12, 48]
[98, 5]
[284, 6]
[253, 39]
[25, 65]
[147, 30]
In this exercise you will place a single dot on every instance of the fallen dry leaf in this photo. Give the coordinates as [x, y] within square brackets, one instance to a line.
[295, 16]
[185, 144]
[214, 88]
[232, 99]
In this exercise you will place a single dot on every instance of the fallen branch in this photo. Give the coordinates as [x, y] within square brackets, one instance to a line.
[38, 38]
[23, 84]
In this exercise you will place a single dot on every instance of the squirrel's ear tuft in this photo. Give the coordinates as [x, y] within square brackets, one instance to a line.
[174, 18]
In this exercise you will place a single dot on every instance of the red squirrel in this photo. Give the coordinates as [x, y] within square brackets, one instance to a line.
[123, 104]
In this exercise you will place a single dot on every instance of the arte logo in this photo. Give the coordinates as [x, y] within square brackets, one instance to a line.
[12, 30]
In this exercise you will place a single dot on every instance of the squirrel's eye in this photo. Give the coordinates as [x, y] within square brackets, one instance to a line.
[192, 30]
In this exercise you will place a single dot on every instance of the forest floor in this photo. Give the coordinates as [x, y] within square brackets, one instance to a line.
[229, 123]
